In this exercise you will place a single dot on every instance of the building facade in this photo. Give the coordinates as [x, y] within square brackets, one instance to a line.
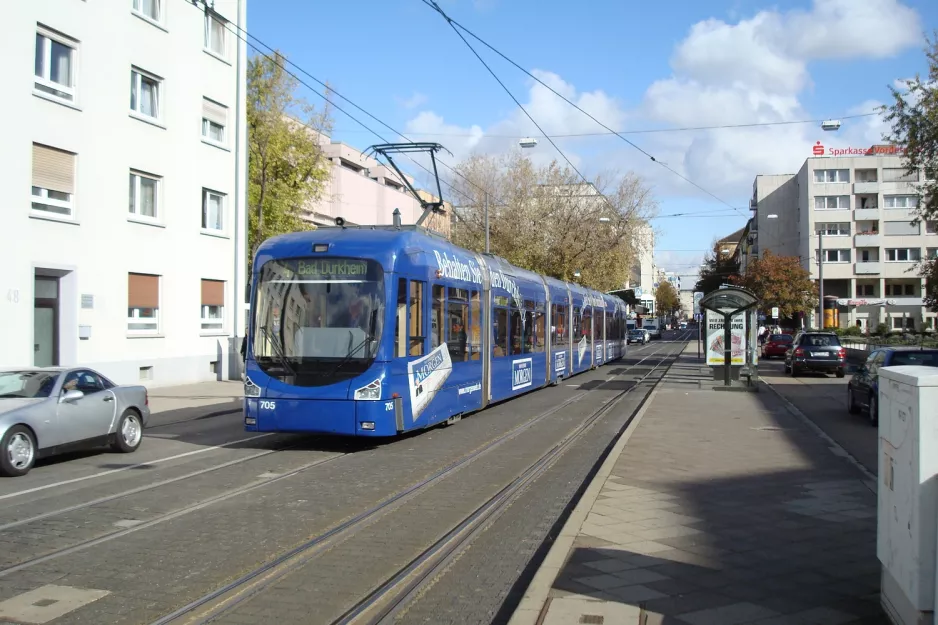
[854, 218]
[362, 191]
[125, 174]
[642, 274]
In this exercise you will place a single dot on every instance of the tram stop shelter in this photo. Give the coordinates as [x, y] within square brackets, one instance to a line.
[731, 335]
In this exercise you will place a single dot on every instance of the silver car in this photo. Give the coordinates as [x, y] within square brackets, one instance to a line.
[51, 410]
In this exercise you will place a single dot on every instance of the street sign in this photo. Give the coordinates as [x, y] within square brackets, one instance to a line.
[638, 291]
[698, 295]
[775, 312]
[761, 316]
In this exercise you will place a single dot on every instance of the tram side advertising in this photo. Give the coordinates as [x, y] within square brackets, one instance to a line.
[384, 330]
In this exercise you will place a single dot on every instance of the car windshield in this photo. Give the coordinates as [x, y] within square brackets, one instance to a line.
[780, 338]
[636, 332]
[924, 359]
[318, 318]
[27, 384]
[820, 340]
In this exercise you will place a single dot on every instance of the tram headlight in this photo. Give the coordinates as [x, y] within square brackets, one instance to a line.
[371, 391]
[251, 389]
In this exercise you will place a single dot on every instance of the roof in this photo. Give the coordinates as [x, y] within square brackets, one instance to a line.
[734, 237]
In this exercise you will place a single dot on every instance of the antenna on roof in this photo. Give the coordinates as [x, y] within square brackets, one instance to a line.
[386, 149]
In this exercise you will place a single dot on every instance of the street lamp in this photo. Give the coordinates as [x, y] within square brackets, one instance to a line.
[604, 220]
[772, 216]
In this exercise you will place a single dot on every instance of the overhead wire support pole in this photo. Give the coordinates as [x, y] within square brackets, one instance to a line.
[486, 222]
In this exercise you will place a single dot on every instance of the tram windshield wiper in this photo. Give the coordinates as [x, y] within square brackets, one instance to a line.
[278, 350]
[370, 336]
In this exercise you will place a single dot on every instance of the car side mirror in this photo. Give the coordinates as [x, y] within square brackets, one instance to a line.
[72, 395]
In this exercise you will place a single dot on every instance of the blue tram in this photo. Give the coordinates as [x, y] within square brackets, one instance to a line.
[381, 330]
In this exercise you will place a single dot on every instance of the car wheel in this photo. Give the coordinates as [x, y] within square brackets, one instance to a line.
[840, 373]
[874, 411]
[17, 451]
[852, 407]
[129, 432]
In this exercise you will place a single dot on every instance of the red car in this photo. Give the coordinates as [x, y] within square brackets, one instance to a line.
[776, 345]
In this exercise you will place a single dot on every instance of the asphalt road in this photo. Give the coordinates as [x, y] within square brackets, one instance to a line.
[823, 399]
[131, 538]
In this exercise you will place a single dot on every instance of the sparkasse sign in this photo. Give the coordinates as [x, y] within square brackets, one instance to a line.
[876, 150]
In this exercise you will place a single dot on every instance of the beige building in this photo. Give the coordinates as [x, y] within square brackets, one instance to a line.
[855, 218]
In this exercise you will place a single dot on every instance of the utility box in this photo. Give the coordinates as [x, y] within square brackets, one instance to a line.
[907, 493]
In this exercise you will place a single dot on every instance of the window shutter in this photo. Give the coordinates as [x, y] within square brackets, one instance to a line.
[143, 291]
[53, 169]
[213, 111]
[213, 293]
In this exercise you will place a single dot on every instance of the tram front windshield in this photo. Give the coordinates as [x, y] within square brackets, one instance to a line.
[317, 320]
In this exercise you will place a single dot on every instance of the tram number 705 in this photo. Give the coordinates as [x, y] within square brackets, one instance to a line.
[268, 405]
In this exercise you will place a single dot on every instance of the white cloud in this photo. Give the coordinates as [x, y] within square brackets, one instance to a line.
[751, 71]
[413, 101]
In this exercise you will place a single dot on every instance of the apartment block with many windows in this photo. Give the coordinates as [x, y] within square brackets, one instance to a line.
[857, 216]
[124, 168]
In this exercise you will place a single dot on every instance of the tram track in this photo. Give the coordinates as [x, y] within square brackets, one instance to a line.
[228, 597]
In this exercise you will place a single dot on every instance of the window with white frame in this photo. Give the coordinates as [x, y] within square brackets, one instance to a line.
[213, 305]
[831, 202]
[899, 323]
[144, 195]
[931, 253]
[53, 183]
[143, 303]
[214, 121]
[56, 64]
[903, 255]
[145, 93]
[834, 230]
[215, 33]
[213, 210]
[899, 174]
[931, 227]
[831, 175]
[836, 256]
[900, 201]
[149, 9]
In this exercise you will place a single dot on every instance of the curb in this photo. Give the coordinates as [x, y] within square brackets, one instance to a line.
[836, 448]
[535, 598]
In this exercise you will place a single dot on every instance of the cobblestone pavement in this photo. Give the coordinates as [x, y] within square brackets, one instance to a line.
[723, 509]
[192, 526]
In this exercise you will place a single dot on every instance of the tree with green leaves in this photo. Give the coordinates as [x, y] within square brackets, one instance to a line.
[667, 299]
[780, 281]
[914, 118]
[287, 170]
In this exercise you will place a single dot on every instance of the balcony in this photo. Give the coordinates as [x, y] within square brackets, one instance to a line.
[866, 214]
[866, 187]
[866, 240]
[753, 204]
[870, 267]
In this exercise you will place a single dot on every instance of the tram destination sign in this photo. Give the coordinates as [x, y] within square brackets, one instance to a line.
[331, 268]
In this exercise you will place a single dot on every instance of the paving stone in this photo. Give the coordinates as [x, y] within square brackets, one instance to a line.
[728, 615]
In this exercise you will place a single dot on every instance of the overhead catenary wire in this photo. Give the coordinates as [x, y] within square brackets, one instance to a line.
[456, 26]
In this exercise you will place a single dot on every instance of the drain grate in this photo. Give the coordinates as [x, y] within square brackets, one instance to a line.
[592, 619]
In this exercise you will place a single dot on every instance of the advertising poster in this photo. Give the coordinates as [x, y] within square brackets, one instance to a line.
[560, 362]
[426, 376]
[715, 348]
[581, 351]
[522, 373]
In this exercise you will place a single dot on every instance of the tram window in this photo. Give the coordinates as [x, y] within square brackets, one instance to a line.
[418, 325]
[527, 329]
[559, 329]
[457, 317]
[475, 324]
[538, 327]
[586, 324]
[575, 324]
[400, 328]
[500, 330]
[515, 331]
[436, 318]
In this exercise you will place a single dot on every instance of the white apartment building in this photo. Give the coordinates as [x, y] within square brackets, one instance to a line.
[364, 192]
[642, 274]
[863, 207]
[124, 176]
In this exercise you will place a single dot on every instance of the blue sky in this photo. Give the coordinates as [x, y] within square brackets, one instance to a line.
[683, 63]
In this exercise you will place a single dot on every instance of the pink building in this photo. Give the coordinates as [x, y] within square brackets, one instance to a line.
[363, 192]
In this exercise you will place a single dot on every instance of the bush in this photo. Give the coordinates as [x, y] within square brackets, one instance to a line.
[852, 331]
[881, 330]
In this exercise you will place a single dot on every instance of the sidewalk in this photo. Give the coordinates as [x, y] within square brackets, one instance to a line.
[226, 395]
[715, 508]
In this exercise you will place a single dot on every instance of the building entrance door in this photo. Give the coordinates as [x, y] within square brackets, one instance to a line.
[46, 322]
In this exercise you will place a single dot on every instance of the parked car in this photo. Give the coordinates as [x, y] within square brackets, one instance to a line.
[863, 387]
[51, 410]
[637, 336]
[776, 345]
[816, 351]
